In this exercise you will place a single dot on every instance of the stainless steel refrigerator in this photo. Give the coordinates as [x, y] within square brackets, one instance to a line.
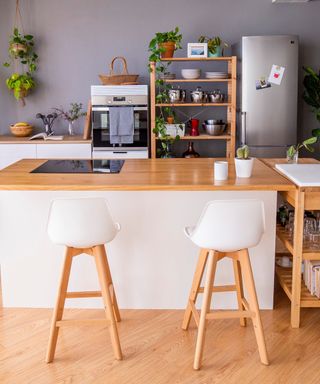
[267, 111]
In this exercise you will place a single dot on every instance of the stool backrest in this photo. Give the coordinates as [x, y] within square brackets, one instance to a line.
[230, 225]
[81, 223]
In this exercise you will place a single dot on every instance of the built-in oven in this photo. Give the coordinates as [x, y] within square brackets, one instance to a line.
[105, 97]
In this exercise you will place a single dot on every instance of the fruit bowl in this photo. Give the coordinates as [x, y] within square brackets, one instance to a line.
[21, 129]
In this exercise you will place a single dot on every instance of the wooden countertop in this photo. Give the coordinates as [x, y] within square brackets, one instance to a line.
[145, 175]
[4, 139]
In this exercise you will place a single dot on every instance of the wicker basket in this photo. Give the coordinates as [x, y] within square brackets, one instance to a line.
[118, 79]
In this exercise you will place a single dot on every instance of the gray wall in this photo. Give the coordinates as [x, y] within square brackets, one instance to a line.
[76, 40]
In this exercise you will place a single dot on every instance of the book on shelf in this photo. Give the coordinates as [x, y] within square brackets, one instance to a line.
[45, 136]
[311, 276]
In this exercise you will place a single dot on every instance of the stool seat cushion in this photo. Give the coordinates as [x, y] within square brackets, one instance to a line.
[81, 223]
[229, 225]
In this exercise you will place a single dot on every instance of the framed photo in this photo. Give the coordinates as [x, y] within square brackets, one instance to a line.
[197, 50]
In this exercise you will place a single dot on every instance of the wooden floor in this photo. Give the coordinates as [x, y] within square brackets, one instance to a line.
[157, 351]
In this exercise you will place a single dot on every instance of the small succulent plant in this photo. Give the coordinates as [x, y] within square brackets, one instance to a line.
[243, 152]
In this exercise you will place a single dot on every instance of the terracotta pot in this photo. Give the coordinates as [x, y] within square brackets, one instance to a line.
[23, 93]
[169, 47]
[170, 119]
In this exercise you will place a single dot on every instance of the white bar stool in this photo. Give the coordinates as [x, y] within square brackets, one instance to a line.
[226, 228]
[83, 226]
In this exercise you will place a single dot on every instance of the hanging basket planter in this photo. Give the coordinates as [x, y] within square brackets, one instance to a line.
[17, 48]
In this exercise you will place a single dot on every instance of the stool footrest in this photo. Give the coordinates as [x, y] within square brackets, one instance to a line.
[229, 314]
[80, 322]
[83, 294]
[220, 288]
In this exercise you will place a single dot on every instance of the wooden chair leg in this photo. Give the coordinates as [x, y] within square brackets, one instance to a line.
[58, 309]
[253, 304]
[238, 283]
[211, 270]
[100, 257]
[111, 287]
[203, 256]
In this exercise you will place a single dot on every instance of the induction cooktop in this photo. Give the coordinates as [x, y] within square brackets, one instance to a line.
[80, 166]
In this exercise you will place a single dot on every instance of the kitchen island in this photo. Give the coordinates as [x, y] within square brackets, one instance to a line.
[152, 262]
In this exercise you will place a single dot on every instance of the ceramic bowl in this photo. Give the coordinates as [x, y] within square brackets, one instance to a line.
[190, 73]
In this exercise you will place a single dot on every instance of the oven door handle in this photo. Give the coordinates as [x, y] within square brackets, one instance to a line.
[106, 109]
[120, 152]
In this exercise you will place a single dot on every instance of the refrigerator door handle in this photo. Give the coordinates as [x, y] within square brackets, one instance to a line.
[243, 137]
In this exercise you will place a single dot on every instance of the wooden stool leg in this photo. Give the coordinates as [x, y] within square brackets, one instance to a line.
[212, 263]
[58, 309]
[100, 258]
[111, 288]
[253, 304]
[195, 287]
[238, 283]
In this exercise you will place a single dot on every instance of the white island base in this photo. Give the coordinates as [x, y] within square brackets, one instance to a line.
[151, 261]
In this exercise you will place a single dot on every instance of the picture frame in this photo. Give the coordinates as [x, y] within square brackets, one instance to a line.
[197, 50]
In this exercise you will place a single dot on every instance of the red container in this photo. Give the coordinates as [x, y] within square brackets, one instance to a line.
[194, 127]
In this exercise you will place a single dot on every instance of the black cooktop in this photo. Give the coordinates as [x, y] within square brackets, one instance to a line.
[80, 166]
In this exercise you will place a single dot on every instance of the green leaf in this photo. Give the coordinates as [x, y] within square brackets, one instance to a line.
[316, 132]
[16, 32]
[28, 37]
[309, 141]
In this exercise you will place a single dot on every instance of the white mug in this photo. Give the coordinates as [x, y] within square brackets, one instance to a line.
[220, 170]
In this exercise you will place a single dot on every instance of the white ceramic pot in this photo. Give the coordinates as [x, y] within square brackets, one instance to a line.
[244, 167]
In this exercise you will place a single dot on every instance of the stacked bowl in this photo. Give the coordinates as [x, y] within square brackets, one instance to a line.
[190, 73]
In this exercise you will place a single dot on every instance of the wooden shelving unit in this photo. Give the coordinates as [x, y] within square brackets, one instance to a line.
[290, 279]
[231, 81]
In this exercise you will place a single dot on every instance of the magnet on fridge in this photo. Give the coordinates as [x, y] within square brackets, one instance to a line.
[276, 74]
[262, 83]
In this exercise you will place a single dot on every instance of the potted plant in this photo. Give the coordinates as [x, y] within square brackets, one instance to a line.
[293, 151]
[21, 84]
[163, 45]
[73, 114]
[243, 163]
[166, 141]
[21, 48]
[215, 45]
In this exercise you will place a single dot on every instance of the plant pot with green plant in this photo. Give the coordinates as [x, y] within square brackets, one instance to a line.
[21, 84]
[215, 45]
[21, 48]
[163, 45]
[243, 162]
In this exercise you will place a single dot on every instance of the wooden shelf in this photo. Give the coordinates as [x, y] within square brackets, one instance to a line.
[204, 137]
[285, 279]
[194, 105]
[307, 254]
[229, 104]
[223, 58]
[197, 80]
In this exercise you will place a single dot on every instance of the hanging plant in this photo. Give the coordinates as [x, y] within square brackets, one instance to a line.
[21, 53]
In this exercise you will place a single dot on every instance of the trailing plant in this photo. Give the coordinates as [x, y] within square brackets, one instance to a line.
[20, 84]
[243, 152]
[73, 114]
[155, 47]
[294, 149]
[21, 48]
[213, 43]
[162, 88]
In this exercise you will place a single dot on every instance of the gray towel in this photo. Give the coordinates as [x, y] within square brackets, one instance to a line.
[121, 125]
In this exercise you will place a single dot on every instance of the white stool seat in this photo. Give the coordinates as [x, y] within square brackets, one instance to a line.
[81, 223]
[229, 225]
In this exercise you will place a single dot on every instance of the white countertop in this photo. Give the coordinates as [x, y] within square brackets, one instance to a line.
[303, 175]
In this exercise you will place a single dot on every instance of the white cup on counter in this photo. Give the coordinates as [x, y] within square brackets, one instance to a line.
[220, 170]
